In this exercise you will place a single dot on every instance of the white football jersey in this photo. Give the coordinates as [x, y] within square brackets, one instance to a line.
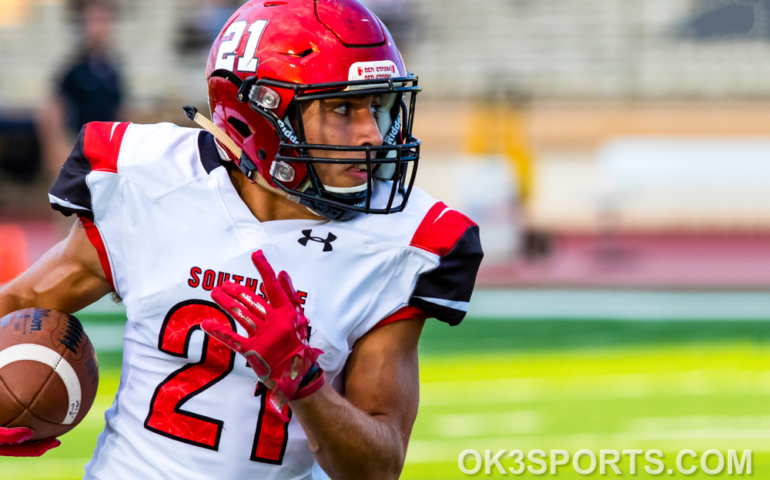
[169, 226]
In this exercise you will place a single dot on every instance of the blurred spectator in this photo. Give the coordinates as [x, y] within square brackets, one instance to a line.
[90, 87]
[714, 19]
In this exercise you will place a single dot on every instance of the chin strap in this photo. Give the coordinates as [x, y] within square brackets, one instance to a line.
[250, 170]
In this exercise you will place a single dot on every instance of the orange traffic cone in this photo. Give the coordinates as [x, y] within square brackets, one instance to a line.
[13, 252]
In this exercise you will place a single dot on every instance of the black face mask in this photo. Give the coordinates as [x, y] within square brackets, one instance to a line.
[391, 167]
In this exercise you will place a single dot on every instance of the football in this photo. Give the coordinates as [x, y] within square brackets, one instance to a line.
[48, 372]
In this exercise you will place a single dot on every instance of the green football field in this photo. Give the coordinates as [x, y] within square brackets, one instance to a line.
[552, 384]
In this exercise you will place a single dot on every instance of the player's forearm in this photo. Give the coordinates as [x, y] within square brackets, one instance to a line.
[28, 291]
[8, 302]
[15, 296]
[347, 442]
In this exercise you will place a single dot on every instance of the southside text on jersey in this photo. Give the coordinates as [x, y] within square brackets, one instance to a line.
[208, 279]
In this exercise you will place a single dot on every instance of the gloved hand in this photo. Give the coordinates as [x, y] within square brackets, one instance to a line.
[277, 345]
[14, 443]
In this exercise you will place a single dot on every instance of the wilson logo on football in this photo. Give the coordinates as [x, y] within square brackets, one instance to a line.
[373, 70]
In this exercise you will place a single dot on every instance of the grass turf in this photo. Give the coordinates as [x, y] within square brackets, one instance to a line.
[551, 384]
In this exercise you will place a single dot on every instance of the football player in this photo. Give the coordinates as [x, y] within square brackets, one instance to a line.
[307, 168]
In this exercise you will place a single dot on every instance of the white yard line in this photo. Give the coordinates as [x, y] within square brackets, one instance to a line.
[630, 305]
[592, 304]
[585, 387]
[463, 425]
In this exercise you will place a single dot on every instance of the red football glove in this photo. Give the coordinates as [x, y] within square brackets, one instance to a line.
[277, 345]
[13, 443]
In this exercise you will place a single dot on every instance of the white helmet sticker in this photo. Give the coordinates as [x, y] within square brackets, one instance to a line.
[373, 70]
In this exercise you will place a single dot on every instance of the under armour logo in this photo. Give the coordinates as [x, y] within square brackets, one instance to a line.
[327, 243]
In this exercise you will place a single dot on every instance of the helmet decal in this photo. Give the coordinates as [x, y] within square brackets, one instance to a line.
[373, 70]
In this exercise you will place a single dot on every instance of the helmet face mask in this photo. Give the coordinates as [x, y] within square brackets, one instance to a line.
[263, 113]
[394, 161]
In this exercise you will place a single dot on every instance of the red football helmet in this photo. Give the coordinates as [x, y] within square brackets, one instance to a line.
[273, 55]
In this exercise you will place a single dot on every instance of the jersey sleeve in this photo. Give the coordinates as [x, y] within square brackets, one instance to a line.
[444, 292]
[96, 150]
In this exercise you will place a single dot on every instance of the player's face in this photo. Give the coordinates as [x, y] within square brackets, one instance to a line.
[342, 121]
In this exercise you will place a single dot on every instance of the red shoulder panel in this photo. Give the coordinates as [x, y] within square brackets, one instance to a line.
[102, 145]
[404, 313]
[95, 237]
[440, 230]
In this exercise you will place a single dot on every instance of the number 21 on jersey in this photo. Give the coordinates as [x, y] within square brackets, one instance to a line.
[166, 416]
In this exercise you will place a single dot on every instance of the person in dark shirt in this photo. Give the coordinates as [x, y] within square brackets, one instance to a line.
[89, 89]
[91, 86]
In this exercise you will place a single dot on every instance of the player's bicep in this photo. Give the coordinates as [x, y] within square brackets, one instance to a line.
[67, 278]
[382, 374]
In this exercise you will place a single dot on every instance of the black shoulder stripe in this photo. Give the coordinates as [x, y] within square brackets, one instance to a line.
[448, 315]
[445, 291]
[208, 151]
[70, 191]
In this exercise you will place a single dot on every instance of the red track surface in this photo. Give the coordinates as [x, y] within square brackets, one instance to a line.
[622, 261]
[645, 260]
